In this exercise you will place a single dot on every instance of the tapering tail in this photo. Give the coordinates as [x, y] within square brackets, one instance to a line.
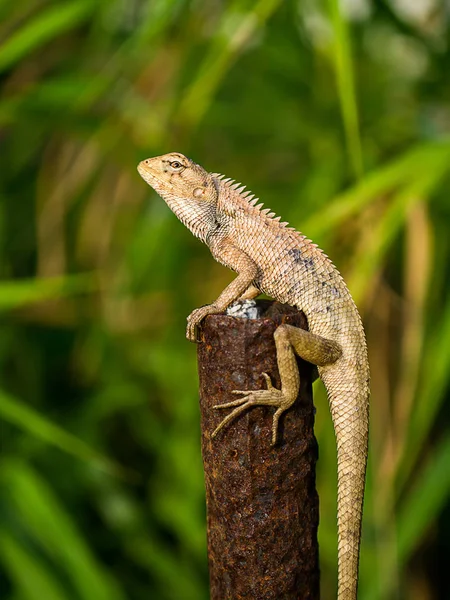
[349, 404]
[351, 478]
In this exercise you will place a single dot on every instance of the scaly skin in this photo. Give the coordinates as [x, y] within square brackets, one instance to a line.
[275, 259]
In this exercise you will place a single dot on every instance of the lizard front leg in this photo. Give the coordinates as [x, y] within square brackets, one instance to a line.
[242, 285]
[289, 341]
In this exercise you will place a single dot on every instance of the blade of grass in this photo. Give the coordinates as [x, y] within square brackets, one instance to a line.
[420, 508]
[17, 413]
[423, 504]
[346, 86]
[413, 163]
[31, 577]
[436, 369]
[51, 526]
[389, 225]
[14, 294]
[45, 26]
[236, 29]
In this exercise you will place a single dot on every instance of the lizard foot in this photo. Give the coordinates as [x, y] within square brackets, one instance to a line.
[270, 397]
[195, 318]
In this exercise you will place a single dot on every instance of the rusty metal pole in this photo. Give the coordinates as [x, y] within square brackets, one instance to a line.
[262, 503]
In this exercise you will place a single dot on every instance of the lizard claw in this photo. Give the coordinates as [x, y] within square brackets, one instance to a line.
[195, 318]
[237, 402]
[268, 381]
[248, 393]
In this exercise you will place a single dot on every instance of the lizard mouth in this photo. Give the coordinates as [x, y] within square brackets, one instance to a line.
[147, 174]
[144, 169]
[157, 183]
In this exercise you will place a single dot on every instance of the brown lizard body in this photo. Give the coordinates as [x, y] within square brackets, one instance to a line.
[275, 259]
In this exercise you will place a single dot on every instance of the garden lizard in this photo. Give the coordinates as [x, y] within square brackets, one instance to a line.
[273, 258]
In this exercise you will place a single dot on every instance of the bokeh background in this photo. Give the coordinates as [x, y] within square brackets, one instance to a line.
[337, 114]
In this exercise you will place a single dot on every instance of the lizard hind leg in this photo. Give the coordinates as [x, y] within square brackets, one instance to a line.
[269, 397]
[289, 341]
[313, 348]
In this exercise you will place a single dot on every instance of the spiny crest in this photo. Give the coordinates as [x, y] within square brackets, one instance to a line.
[251, 199]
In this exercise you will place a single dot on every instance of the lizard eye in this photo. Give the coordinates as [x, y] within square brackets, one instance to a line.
[175, 165]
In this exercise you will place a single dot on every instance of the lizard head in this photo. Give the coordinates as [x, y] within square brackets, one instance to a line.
[189, 191]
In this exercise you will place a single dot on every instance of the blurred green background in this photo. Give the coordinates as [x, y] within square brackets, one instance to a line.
[338, 116]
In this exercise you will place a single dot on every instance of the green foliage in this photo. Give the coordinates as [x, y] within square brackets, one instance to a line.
[346, 86]
[336, 114]
[17, 413]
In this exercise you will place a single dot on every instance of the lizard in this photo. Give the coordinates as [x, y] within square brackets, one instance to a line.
[272, 258]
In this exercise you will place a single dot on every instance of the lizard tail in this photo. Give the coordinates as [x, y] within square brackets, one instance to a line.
[351, 424]
[351, 476]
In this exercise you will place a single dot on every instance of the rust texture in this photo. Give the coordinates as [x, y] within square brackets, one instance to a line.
[262, 503]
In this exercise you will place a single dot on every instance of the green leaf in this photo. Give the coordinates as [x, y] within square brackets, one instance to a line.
[415, 164]
[45, 26]
[434, 377]
[419, 189]
[33, 579]
[344, 74]
[52, 528]
[16, 412]
[424, 502]
[14, 294]
[236, 28]
[419, 509]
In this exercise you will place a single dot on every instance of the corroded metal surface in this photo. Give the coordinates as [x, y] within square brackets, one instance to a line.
[261, 500]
